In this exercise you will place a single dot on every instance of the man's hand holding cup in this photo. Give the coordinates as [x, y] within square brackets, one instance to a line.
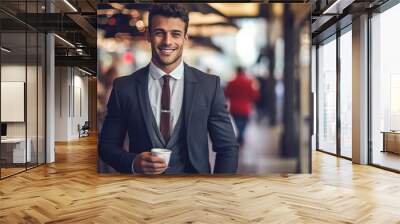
[154, 162]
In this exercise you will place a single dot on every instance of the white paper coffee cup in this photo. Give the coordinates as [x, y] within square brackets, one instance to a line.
[165, 154]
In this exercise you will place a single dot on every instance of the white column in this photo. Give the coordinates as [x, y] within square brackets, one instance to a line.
[50, 99]
[360, 90]
[50, 92]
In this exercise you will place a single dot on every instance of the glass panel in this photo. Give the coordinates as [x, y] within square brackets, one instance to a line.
[31, 97]
[13, 92]
[23, 84]
[41, 99]
[346, 94]
[32, 86]
[327, 97]
[314, 91]
[385, 86]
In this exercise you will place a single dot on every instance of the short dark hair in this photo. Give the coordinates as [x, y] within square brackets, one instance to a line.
[169, 10]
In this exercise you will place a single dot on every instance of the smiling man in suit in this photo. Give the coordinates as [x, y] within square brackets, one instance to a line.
[168, 104]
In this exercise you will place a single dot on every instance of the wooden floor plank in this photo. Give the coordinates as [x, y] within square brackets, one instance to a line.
[71, 191]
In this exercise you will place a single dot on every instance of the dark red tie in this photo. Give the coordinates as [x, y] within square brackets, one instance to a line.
[165, 109]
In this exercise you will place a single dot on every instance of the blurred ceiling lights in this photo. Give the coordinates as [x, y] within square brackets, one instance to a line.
[207, 25]
[118, 6]
[237, 9]
[84, 71]
[196, 18]
[208, 31]
[278, 9]
[204, 25]
[108, 12]
[140, 26]
[200, 24]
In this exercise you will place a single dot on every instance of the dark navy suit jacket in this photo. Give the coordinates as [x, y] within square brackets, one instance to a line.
[205, 112]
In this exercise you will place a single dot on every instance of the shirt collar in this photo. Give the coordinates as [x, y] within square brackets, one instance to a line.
[157, 73]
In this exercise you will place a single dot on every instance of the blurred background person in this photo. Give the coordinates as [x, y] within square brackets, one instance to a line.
[242, 93]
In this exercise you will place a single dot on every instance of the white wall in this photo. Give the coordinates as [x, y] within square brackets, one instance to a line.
[71, 94]
[61, 103]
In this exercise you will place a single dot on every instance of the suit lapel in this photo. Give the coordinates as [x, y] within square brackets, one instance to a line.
[144, 101]
[189, 95]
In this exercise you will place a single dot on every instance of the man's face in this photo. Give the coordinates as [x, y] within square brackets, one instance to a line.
[167, 36]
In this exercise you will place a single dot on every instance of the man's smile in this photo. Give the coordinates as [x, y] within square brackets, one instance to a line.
[166, 51]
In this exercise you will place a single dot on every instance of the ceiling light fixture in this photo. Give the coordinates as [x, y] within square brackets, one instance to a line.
[337, 7]
[64, 40]
[84, 71]
[70, 5]
[5, 49]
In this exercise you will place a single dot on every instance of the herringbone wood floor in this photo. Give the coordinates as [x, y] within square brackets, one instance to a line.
[70, 191]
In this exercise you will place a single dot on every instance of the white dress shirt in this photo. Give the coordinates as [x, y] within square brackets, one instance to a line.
[176, 85]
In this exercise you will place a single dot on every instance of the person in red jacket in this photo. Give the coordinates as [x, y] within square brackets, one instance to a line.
[242, 93]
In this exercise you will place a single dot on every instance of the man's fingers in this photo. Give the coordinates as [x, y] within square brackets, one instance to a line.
[154, 159]
[151, 165]
[154, 167]
[146, 154]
